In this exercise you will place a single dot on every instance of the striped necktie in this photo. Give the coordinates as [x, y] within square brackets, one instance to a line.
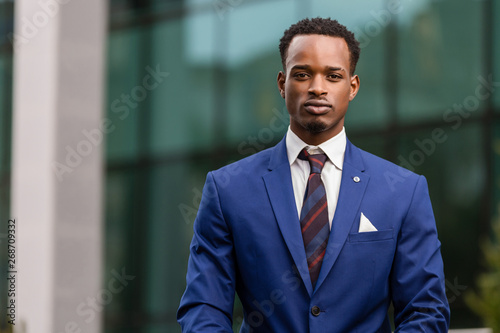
[314, 215]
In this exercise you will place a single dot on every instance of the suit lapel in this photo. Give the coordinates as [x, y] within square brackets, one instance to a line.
[351, 193]
[280, 190]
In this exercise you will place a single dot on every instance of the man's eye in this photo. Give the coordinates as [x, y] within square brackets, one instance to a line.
[300, 75]
[335, 76]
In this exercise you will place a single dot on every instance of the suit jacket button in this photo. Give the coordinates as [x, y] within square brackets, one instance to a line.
[315, 310]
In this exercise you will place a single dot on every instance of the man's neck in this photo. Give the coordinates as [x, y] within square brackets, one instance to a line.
[315, 139]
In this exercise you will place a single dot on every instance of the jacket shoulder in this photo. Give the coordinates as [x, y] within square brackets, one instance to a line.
[386, 174]
[373, 162]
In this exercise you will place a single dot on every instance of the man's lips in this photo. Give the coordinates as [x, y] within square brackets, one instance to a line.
[317, 107]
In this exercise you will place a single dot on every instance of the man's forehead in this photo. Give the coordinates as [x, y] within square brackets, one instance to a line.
[330, 51]
[313, 39]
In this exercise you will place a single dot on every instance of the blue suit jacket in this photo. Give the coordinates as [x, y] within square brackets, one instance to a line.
[247, 239]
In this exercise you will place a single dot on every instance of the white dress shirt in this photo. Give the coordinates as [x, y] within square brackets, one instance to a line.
[331, 174]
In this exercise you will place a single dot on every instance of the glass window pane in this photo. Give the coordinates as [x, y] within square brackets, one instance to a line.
[5, 134]
[125, 72]
[175, 196]
[496, 169]
[454, 164]
[374, 144]
[257, 116]
[496, 50]
[123, 246]
[440, 58]
[182, 105]
[5, 109]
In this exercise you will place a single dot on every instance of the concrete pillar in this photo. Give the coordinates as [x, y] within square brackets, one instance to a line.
[57, 163]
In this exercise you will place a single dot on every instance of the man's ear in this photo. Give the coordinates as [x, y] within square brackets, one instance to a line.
[281, 83]
[354, 87]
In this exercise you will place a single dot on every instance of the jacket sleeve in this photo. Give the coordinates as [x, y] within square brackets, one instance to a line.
[207, 303]
[417, 277]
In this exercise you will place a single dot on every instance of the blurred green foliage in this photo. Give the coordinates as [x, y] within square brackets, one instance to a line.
[486, 301]
[7, 329]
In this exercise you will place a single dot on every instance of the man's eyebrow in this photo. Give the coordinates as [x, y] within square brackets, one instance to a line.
[301, 67]
[328, 68]
[335, 69]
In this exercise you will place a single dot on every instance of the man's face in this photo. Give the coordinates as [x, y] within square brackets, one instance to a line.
[317, 86]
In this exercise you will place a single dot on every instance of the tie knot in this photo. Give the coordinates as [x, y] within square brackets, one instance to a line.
[316, 161]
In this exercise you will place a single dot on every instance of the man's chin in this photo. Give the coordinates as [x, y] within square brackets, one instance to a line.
[315, 127]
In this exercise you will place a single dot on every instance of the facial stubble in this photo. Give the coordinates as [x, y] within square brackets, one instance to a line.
[315, 127]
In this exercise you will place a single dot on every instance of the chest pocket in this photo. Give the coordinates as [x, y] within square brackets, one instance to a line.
[371, 236]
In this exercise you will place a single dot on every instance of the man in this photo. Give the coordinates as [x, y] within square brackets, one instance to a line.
[311, 234]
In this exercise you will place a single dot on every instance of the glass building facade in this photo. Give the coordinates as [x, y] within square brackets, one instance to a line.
[192, 87]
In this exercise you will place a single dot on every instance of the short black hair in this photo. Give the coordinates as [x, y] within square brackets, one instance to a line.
[321, 26]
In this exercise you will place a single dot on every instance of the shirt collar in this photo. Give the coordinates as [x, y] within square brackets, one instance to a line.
[334, 148]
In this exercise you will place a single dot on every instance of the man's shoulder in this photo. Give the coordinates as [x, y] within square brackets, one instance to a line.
[374, 162]
[384, 172]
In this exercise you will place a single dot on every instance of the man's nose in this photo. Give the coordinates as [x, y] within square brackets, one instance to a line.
[317, 86]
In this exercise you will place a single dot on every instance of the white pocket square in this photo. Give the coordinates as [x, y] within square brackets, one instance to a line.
[365, 225]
